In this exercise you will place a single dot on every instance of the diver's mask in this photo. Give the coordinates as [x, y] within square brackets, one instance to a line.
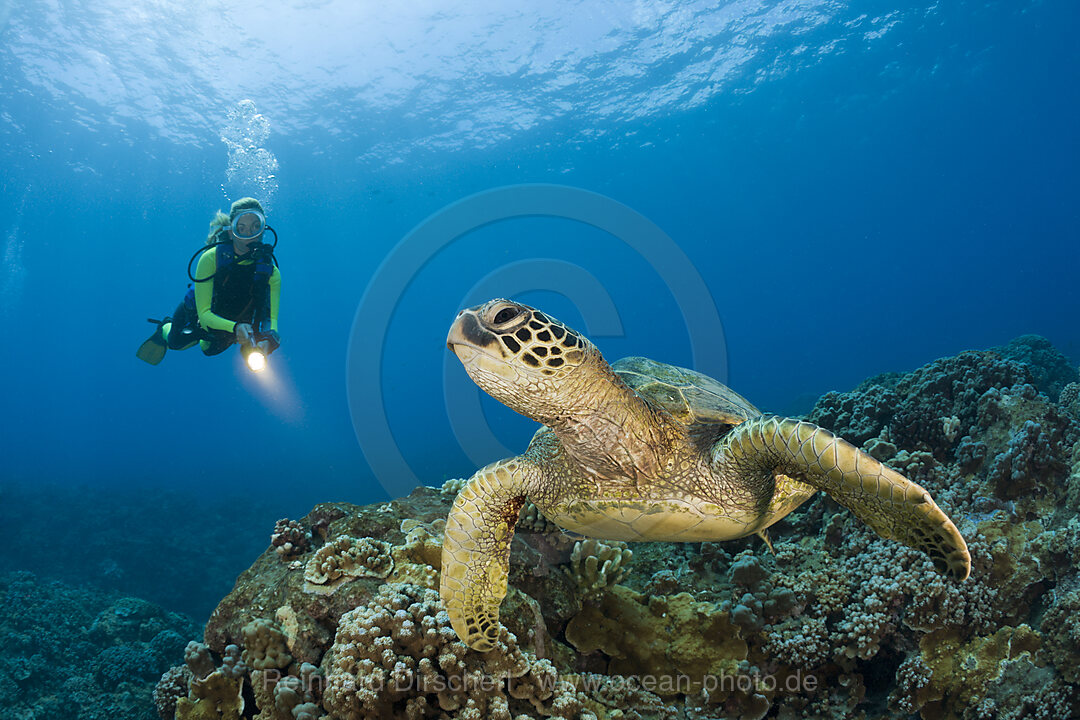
[248, 225]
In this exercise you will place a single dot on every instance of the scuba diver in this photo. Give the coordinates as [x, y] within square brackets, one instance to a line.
[233, 297]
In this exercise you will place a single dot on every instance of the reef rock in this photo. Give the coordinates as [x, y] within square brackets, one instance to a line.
[837, 622]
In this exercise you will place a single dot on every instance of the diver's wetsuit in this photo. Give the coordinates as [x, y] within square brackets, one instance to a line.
[219, 304]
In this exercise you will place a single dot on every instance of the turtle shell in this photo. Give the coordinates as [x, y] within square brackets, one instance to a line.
[692, 398]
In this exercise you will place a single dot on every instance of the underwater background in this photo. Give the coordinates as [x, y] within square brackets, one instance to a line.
[819, 192]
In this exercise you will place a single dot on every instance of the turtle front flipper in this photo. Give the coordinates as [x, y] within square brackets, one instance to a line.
[476, 550]
[896, 508]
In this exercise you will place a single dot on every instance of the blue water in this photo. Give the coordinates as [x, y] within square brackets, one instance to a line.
[860, 188]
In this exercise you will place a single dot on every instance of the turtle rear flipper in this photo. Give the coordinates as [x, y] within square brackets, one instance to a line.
[896, 508]
[476, 550]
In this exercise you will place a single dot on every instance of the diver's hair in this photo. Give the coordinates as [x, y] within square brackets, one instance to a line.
[217, 226]
[245, 203]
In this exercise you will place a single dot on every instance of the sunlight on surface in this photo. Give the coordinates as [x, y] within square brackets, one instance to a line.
[350, 67]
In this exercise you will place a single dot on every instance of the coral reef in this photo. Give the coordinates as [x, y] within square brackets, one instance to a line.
[289, 697]
[398, 657]
[834, 623]
[531, 520]
[1069, 400]
[1050, 370]
[172, 686]
[215, 696]
[83, 654]
[1062, 627]
[349, 557]
[264, 645]
[290, 538]
[661, 636]
[104, 536]
[452, 487]
[597, 565]
[198, 660]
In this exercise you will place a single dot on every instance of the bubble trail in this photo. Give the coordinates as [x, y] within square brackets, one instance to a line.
[252, 169]
[13, 272]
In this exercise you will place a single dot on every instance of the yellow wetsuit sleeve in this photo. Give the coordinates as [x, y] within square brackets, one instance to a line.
[275, 297]
[204, 294]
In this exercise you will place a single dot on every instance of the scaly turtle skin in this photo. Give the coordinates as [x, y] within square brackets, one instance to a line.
[644, 451]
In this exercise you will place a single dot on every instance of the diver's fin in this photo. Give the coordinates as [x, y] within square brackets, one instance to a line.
[153, 350]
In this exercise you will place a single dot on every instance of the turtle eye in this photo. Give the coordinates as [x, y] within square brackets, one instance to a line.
[505, 315]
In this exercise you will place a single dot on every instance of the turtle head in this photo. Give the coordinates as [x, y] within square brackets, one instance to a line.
[523, 358]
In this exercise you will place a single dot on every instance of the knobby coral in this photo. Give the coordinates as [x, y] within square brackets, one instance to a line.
[399, 657]
[349, 557]
[597, 565]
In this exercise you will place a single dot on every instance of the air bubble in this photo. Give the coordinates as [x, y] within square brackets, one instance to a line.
[12, 269]
[252, 168]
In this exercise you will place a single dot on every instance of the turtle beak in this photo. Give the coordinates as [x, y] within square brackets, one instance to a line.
[452, 336]
[459, 341]
[466, 332]
[477, 348]
[464, 353]
[460, 348]
[455, 340]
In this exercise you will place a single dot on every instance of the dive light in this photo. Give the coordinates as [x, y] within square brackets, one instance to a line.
[256, 361]
[254, 356]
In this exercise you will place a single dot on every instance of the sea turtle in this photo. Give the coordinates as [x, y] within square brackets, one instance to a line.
[642, 450]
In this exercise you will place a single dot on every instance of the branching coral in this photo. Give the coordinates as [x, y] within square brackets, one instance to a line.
[290, 538]
[215, 697]
[757, 599]
[801, 643]
[531, 520]
[232, 663]
[1061, 627]
[418, 559]
[288, 697]
[349, 557]
[264, 645]
[1050, 370]
[849, 607]
[1032, 463]
[970, 454]
[453, 486]
[912, 406]
[915, 464]
[198, 659]
[598, 565]
[856, 416]
[398, 657]
[1069, 400]
[172, 686]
